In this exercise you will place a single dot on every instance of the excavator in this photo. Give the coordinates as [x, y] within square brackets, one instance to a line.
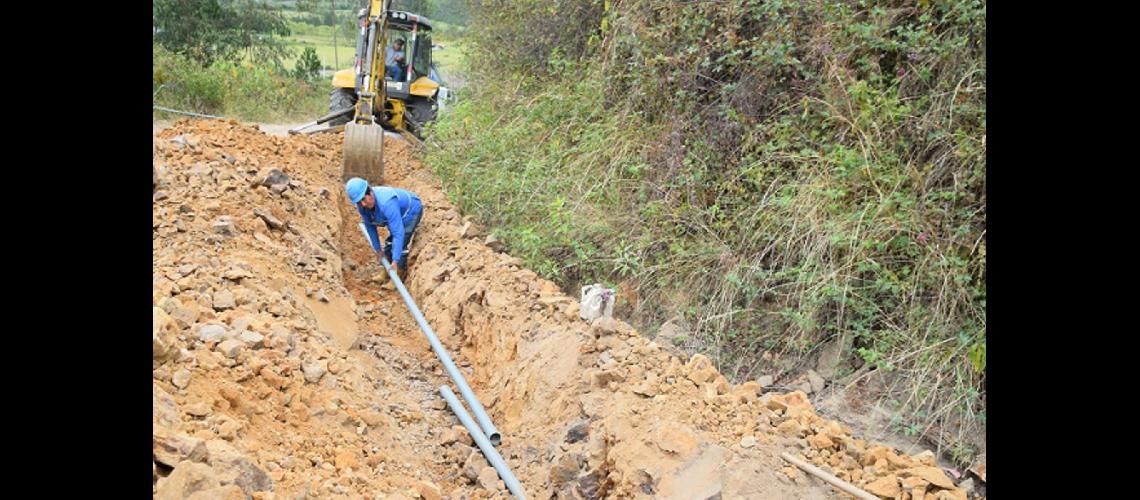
[367, 99]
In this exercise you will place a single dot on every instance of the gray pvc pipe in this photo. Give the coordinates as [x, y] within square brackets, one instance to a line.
[488, 450]
[492, 434]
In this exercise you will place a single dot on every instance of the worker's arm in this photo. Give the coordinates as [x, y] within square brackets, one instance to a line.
[373, 236]
[396, 228]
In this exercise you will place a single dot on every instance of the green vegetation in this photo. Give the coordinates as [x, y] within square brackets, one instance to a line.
[238, 90]
[781, 174]
[262, 60]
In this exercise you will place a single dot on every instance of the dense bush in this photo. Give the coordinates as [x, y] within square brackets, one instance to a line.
[242, 91]
[785, 176]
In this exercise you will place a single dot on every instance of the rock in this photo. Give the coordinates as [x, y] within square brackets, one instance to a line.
[224, 226]
[199, 409]
[967, 486]
[564, 469]
[236, 273]
[171, 449]
[181, 379]
[164, 410]
[475, 462]
[229, 430]
[224, 300]
[815, 380]
[932, 475]
[494, 243]
[314, 370]
[230, 348]
[766, 380]
[186, 479]
[820, 442]
[832, 355]
[278, 188]
[603, 326]
[451, 435]
[926, 458]
[676, 440]
[886, 487]
[159, 195]
[429, 490]
[979, 468]
[578, 432]
[673, 329]
[791, 428]
[954, 494]
[801, 384]
[748, 442]
[226, 492]
[211, 333]
[163, 334]
[324, 193]
[232, 467]
[184, 316]
[252, 339]
[467, 231]
[270, 220]
[489, 479]
[272, 176]
[346, 460]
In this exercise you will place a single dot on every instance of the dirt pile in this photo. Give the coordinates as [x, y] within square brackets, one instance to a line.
[283, 368]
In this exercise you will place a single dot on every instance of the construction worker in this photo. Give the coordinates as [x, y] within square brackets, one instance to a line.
[390, 207]
[394, 62]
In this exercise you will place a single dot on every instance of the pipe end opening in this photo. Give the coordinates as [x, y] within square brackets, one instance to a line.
[495, 439]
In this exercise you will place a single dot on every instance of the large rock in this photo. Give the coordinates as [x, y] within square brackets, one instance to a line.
[181, 378]
[171, 449]
[494, 243]
[272, 176]
[163, 334]
[831, 356]
[231, 348]
[314, 370]
[489, 479]
[224, 226]
[187, 479]
[211, 333]
[164, 410]
[884, 487]
[673, 329]
[267, 216]
[252, 339]
[232, 467]
[932, 475]
[224, 300]
[475, 462]
[227, 492]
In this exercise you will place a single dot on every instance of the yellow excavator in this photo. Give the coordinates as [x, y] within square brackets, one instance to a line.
[392, 85]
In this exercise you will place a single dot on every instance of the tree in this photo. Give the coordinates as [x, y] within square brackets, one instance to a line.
[230, 30]
[308, 65]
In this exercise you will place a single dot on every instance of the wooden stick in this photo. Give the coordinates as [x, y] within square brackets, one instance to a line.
[834, 481]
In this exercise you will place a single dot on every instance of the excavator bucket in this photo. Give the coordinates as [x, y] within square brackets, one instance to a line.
[364, 152]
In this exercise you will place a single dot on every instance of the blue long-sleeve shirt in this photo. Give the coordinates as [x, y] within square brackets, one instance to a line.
[391, 204]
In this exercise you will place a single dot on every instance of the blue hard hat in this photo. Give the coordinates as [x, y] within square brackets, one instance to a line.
[355, 189]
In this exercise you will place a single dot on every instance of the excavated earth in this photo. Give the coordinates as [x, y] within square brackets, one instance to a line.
[285, 366]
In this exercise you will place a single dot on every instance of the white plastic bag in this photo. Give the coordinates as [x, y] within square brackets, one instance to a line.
[596, 302]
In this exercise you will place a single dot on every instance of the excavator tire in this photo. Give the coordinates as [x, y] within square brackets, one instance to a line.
[341, 98]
